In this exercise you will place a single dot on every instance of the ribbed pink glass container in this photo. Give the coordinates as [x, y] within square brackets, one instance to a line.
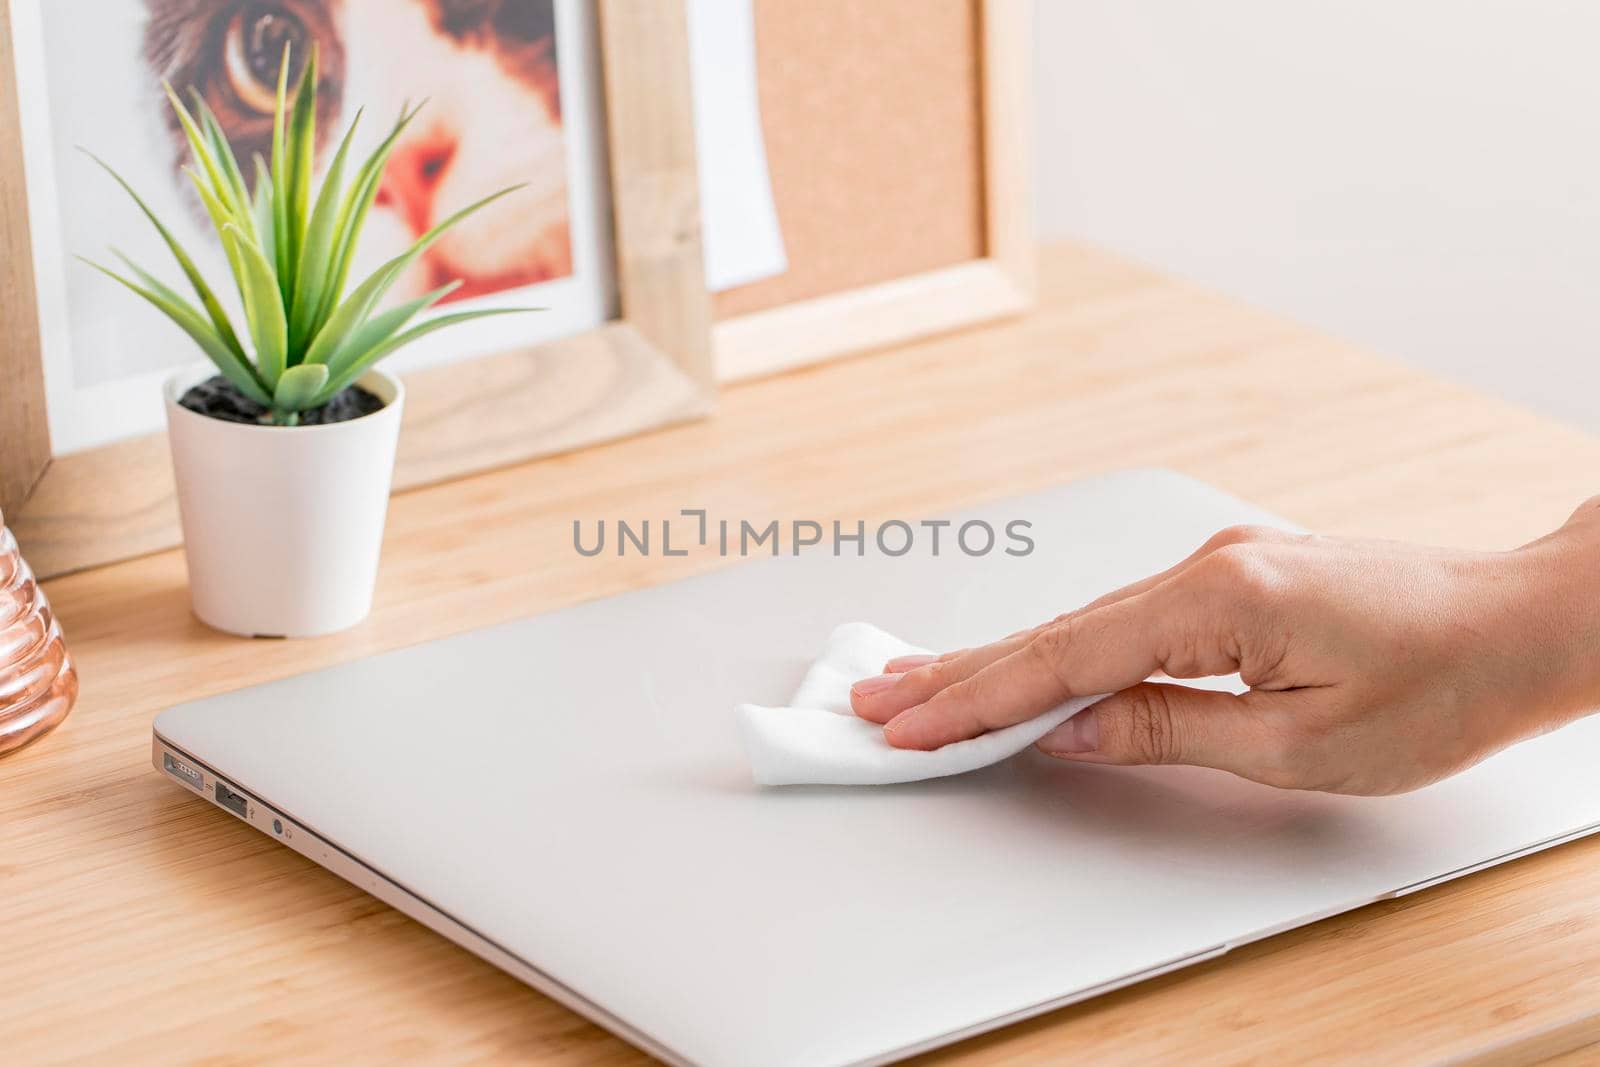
[37, 682]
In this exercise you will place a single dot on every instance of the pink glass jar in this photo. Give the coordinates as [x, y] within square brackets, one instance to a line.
[38, 684]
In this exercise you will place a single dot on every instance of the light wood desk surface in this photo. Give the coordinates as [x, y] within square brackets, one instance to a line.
[140, 926]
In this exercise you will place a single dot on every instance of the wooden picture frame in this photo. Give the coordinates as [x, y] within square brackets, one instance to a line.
[116, 501]
[1000, 282]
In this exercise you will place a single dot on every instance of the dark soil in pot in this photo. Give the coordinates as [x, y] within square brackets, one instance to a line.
[217, 398]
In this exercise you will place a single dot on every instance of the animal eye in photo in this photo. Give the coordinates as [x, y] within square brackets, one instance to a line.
[252, 49]
[230, 53]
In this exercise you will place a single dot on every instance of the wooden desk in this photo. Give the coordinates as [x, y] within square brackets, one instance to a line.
[138, 926]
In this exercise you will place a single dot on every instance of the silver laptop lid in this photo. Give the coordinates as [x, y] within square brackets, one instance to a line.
[570, 787]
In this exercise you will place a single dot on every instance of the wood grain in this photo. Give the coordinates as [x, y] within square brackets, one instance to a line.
[943, 106]
[651, 367]
[24, 431]
[793, 335]
[144, 927]
[118, 501]
[1008, 232]
[655, 186]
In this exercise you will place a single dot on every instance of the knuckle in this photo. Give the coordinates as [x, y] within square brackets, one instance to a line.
[1238, 534]
[957, 709]
[1149, 727]
[931, 678]
[1588, 511]
[1247, 572]
[975, 697]
[1051, 642]
[1046, 655]
[1183, 654]
[1233, 562]
[1251, 534]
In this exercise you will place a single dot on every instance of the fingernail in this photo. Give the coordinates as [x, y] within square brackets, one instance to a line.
[909, 663]
[1076, 736]
[867, 686]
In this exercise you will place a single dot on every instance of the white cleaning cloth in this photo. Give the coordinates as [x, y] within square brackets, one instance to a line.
[818, 740]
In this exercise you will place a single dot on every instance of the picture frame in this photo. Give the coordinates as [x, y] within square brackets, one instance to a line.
[654, 360]
[1000, 282]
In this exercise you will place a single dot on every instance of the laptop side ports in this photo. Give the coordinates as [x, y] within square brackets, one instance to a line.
[234, 802]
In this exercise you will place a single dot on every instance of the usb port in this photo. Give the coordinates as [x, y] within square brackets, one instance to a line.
[234, 802]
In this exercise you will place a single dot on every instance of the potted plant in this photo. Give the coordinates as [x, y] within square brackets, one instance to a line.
[283, 444]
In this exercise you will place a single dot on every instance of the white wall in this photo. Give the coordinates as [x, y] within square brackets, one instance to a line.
[1420, 176]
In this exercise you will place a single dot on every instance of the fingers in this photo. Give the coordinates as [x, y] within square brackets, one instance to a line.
[906, 681]
[1103, 651]
[1231, 535]
[1251, 735]
[911, 682]
[881, 699]
[901, 664]
[1155, 723]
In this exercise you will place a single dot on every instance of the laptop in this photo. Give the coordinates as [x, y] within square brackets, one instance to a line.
[565, 796]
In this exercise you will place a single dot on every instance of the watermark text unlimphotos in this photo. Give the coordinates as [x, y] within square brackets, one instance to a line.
[673, 536]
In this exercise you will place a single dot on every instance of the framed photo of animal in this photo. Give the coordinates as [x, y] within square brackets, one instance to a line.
[899, 141]
[586, 107]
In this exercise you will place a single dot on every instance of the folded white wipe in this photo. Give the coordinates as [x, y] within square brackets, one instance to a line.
[818, 740]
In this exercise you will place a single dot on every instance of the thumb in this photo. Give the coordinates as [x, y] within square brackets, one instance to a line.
[1156, 723]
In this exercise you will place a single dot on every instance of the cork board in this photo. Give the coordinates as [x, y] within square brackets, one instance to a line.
[872, 116]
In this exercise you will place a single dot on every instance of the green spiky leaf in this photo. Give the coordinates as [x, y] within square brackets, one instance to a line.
[194, 324]
[217, 141]
[200, 149]
[316, 251]
[221, 221]
[298, 388]
[261, 212]
[301, 147]
[378, 329]
[353, 216]
[263, 308]
[359, 367]
[280, 177]
[360, 304]
[208, 299]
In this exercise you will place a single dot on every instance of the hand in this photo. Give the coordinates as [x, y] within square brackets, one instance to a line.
[1374, 667]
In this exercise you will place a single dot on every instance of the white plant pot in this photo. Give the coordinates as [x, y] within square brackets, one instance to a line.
[282, 525]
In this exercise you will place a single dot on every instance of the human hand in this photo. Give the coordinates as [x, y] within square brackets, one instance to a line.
[1374, 667]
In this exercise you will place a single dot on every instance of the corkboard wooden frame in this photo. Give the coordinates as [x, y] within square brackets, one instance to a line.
[117, 501]
[1001, 282]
